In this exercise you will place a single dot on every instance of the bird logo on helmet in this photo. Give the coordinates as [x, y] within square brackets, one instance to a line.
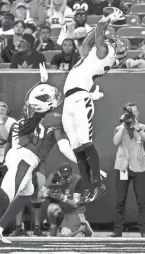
[44, 97]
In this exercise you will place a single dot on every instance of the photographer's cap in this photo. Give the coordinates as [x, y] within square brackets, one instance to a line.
[65, 169]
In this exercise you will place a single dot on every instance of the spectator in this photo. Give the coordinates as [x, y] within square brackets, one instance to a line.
[129, 136]
[65, 60]
[27, 57]
[7, 23]
[67, 30]
[5, 125]
[9, 45]
[138, 61]
[22, 13]
[5, 6]
[98, 5]
[30, 28]
[59, 13]
[120, 5]
[80, 34]
[44, 43]
[63, 211]
[35, 10]
[80, 4]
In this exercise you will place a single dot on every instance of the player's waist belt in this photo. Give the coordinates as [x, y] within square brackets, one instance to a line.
[73, 90]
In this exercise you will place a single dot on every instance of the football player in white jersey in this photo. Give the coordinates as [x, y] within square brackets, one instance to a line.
[98, 56]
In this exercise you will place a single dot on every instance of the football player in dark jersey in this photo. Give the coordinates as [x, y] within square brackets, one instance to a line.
[31, 149]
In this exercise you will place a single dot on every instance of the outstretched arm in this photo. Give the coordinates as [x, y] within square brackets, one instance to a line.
[102, 49]
[64, 145]
[97, 38]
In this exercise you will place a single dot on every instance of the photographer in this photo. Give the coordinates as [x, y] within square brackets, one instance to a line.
[64, 190]
[129, 165]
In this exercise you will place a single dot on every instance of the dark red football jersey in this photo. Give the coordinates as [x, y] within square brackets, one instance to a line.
[43, 139]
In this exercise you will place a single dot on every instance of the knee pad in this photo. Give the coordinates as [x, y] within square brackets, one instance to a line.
[36, 205]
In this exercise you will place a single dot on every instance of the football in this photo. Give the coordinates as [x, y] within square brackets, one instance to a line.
[114, 13]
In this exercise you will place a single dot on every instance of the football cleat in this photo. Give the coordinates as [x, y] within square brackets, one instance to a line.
[97, 193]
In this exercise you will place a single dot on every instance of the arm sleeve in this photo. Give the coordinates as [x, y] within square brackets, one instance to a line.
[60, 134]
[52, 120]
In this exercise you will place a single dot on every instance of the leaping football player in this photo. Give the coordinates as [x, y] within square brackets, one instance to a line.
[98, 56]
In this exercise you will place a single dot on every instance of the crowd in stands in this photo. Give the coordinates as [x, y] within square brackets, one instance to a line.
[47, 23]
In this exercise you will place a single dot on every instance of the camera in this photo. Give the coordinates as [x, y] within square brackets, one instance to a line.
[128, 116]
[55, 187]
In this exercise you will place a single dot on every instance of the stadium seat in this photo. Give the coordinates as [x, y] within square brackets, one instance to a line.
[132, 32]
[92, 20]
[131, 2]
[143, 21]
[138, 9]
[49, 54]
[133, 53]
[132, 20]
[135, 34]
[127, 43]
[4, 65]
[55, 32]
[110, 31]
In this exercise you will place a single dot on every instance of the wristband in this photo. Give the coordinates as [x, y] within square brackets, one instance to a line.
[139, 130]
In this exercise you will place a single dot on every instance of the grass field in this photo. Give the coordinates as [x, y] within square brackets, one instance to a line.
[129, 243]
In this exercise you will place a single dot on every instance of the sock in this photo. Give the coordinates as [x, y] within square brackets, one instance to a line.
[14, 208]
[84, 168]
[94, 164]
[4, 202]
[1, 230]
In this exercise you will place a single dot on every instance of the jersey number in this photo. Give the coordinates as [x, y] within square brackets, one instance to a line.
[106, 69]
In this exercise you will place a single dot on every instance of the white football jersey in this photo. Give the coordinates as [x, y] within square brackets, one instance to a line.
[89, 68]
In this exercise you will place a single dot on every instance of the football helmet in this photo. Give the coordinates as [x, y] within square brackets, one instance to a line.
[44, 97]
